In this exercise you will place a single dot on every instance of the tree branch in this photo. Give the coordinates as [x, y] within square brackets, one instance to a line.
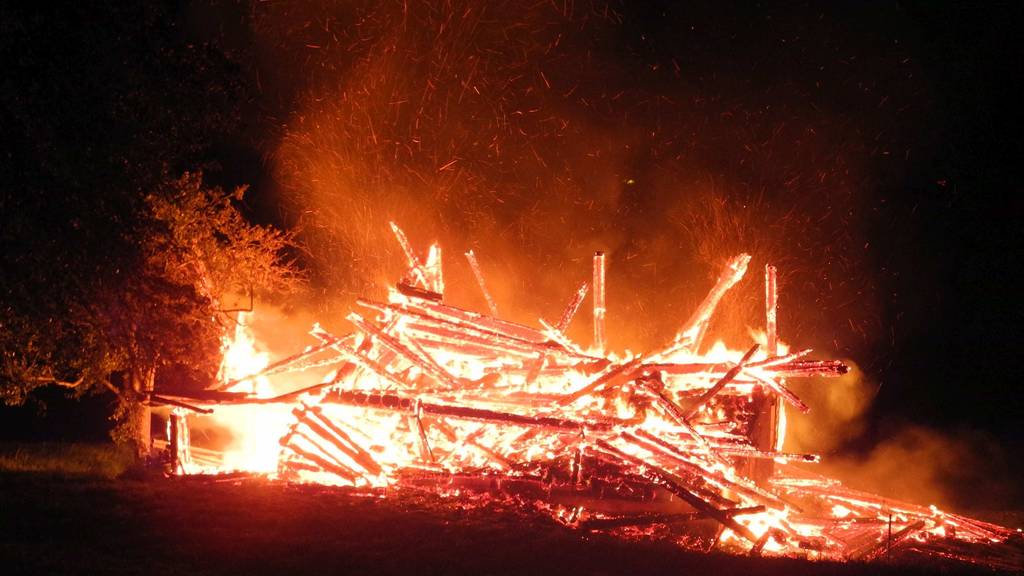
[62, 383]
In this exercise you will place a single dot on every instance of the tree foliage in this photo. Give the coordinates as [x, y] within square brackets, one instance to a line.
[163, 314]
[206, 242]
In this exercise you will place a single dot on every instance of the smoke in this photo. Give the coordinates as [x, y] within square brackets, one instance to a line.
[839, 413]
[537, 134]
[956, 469]
[959, 469]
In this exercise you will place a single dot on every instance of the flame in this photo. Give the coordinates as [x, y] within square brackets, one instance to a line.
[399, 442]
[242, 358]
[255, 429]
[840, 511]
[426, 387]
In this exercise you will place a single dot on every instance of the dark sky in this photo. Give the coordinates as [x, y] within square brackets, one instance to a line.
[887, 131]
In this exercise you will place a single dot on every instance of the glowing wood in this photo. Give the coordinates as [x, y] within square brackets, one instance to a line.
[429, 394]
[599, 302]
[479, 275]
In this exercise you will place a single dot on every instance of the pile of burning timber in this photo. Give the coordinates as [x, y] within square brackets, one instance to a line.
[672, 444]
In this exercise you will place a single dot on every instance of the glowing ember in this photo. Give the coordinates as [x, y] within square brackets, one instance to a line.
[427, 395]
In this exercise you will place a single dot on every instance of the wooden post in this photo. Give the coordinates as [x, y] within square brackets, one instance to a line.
[764, 431]
[599, 302]
[771, 303]
[174, 447]
[179, 442]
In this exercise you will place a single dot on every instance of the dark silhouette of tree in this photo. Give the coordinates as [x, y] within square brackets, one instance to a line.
[113, 270]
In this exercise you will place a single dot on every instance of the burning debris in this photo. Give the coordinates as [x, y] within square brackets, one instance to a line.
[675, 443]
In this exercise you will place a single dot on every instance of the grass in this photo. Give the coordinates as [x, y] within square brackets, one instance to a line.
[67, 509]
[66, 460]
[94, 526]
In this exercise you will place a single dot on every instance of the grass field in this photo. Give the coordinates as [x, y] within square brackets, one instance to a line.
[65, 460]
[67, 522]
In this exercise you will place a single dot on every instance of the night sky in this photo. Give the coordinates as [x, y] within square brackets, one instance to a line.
[872, 150]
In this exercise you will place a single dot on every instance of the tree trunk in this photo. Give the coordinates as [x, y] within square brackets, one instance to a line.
[138, 424]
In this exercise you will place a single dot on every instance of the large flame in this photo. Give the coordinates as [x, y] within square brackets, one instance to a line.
[254, 430]
[424, 388]
[242, 358]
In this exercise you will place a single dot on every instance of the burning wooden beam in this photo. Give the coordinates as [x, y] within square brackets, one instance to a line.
[416, 270]
[771, 306]
[722, 382]
[408, 405]
[668, 481]
[691, 335]
[571, 308]
[765, 432]
[479, 275]
[599, 301]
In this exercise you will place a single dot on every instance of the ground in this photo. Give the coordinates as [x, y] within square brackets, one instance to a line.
[75, 522]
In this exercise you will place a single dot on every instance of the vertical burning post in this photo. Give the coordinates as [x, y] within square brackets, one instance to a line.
[178, 442]
[599, 307]
[771, 310]
[766, 432]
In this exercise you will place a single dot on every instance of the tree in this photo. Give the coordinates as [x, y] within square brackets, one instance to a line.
[163, 316]
[112, 268]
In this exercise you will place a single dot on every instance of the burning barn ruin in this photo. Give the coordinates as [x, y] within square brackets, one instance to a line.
[683, 442]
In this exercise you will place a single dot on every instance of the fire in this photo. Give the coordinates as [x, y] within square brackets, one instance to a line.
[242, 359]
[840, 511]
[427, 395]
[255, 429]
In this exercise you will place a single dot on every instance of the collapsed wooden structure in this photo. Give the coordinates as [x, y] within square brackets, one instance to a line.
[672, 443]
